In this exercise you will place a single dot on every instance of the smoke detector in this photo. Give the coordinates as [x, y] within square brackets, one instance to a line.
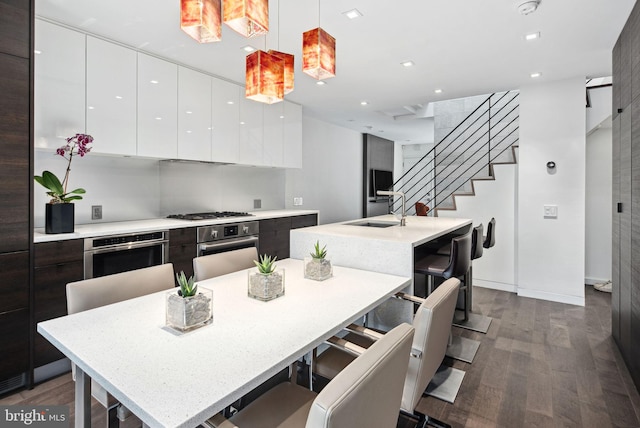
[528, 6]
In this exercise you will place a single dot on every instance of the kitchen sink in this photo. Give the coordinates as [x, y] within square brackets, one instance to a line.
[367, 223]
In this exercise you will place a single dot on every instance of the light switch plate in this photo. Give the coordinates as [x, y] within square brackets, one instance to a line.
[96, 212]
[550, 211]
[297, 201]
[257, 203]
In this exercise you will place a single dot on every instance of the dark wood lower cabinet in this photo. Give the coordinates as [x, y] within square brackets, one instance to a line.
[14, 343]
[56, 264]
[182, 249]
[274, 233]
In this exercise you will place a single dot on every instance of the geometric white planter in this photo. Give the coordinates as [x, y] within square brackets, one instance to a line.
[265, 287]
[317, 269]
[188, 313]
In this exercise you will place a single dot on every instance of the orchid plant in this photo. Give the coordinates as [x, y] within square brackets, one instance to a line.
[77, 145]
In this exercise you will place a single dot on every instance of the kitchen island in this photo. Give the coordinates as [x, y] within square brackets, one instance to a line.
[378, 244]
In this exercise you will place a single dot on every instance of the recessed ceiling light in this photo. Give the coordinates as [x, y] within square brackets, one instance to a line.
[281, 117]
[241, 123]
[364, 103]
[229, 102]
[536, 74]
[248, 48]
[352, 14]
[188, 132]
[188, 112]
[438, 91]
[532, 36]
[321, 83]
[118, 97]
[158, 118]
[91, 107]
[154, 81]
[37, 52]
[407, 63]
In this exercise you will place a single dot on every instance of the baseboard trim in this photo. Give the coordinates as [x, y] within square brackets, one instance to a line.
[494, 285]
[51, 370]
[594, 281]
[552, 297]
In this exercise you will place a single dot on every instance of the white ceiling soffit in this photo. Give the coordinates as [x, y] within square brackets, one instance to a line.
[462, 47]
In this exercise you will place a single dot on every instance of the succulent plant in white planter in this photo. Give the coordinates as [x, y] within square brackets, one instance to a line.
[318, 266]
[266, 282]
[187, 306]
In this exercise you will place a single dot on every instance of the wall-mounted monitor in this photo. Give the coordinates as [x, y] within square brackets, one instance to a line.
[380, 180]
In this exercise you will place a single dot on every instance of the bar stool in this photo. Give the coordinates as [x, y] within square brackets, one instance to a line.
[490, 239]
[454, 265]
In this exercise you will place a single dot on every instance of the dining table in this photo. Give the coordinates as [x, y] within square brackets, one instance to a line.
[169, 378]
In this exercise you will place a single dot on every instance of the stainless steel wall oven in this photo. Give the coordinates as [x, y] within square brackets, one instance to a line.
[120, 253]
[227, 237]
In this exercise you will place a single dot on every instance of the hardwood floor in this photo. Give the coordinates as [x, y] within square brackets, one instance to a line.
[541, 364]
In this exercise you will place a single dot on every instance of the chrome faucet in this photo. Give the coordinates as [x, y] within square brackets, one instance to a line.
[403, 220]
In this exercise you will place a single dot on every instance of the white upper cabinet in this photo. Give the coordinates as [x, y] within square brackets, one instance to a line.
[273, 145]
[292, 135]
[111, 97]
[194, 115]
[157, 108]
[59, 84]
[225, 121]
[251, 132]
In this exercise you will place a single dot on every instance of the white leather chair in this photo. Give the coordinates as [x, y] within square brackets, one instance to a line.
[365, 394]
[105, 290]
[432, 323]
[223, 263]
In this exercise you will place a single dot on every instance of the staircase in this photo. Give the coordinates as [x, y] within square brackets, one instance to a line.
[486, 137]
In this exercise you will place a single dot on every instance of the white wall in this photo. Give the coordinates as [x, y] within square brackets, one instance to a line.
[127, 188]
[331, 176]
[598, 206]
[551, 252]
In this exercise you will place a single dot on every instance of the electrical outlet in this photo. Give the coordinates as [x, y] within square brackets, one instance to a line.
[297, 201]
[550, 211]
[96, 212]
[257, 203]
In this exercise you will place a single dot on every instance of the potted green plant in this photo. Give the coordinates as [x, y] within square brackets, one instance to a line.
[266, 281]
[318, 266]
[60, 211]
[187, 306]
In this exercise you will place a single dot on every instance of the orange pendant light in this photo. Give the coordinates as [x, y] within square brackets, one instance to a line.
[201, 19]
[318, 54]
[289, 70]
[248, 17]
[265, 77]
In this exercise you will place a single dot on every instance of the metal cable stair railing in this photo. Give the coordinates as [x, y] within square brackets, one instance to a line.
[465, 153]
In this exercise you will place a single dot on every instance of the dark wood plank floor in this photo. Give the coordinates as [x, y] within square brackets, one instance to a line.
[541, 364]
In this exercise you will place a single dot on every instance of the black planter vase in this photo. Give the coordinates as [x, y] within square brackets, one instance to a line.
[59, 218]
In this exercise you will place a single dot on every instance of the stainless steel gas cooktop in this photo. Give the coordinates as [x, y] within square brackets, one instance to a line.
[209, 215]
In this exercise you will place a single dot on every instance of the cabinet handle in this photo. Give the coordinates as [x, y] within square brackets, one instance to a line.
[619, 207]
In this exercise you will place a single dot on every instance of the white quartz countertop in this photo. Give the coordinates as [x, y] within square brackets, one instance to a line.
[123, 227]
[418, 229]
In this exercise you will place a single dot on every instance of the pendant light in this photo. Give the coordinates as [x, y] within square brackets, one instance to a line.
[248, 17]
[318, 52]
[201, 19]
[289, 61]
[265, 77]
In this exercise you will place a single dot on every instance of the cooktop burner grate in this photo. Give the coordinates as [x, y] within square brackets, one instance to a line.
[209, 215]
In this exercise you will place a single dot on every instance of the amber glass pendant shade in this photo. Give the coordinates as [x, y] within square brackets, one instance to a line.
[265, 77]
[248, 17]
[318, 54]
[201, 19]
[289, 70]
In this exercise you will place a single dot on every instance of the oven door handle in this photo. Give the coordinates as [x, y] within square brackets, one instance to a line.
[229, 243]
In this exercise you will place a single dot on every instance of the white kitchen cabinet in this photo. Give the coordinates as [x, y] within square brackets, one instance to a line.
[194, 115]
[273, 145]
[251, 132]
[157, 108]
[225, 121]
[59, 84]
[111, 97]
[292, 135]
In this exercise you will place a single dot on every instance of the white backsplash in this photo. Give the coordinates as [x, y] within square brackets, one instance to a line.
[138, 189]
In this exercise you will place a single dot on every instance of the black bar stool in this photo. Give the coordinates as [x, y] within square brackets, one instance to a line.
[490, 239]
[454, 265]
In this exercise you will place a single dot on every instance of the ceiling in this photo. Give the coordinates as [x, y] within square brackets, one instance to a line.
[463, 47]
